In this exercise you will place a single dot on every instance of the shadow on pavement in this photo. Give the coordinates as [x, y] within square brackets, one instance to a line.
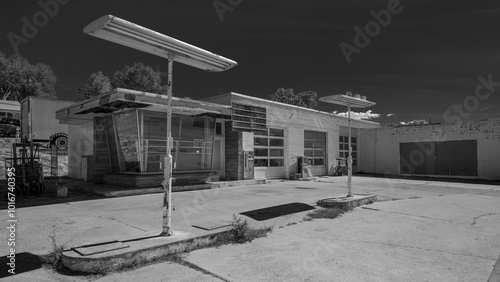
[277, 211]
[22, 262]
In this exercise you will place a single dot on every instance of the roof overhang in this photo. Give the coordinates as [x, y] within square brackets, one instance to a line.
[144, 39]
[341, 99]
[121, 99]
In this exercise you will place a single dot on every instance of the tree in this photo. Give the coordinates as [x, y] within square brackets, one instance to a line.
[20, 79]
[305, 99]
[138, 77]
[97, 84]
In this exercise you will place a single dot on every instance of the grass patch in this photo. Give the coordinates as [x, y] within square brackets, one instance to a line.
[326, 213]
[240, 233]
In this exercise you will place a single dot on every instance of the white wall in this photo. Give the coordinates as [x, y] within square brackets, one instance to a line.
[80, 144]
[380, 147]
[294, 120]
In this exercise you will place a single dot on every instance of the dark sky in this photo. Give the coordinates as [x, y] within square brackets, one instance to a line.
[426, 59]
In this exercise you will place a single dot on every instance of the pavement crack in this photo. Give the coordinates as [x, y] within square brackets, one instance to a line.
[483, 215]
[420, 216]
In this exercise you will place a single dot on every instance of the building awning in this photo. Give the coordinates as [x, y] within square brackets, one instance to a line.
[121, 99]
[10, 106]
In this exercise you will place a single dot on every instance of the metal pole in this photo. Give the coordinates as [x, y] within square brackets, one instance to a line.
[349, 158]
[167, 172]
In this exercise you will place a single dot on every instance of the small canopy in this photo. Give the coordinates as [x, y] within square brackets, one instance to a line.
[120, 99]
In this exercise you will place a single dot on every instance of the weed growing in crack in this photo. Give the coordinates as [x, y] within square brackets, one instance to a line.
[327, 213]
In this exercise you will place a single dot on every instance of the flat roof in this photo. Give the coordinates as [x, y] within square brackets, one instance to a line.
[290, 106]
[120, 99]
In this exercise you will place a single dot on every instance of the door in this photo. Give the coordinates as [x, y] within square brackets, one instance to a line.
[439, 158]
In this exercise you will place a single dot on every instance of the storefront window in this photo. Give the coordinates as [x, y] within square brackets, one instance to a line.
[142, 136]
[193, 141]
[126, 129]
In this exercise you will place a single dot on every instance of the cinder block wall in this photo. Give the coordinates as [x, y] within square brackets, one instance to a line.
[380, 147]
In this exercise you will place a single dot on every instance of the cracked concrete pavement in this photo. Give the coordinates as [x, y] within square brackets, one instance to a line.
[426, 239]
[420, 230]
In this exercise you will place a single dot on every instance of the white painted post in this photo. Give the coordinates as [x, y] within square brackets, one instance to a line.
[349, 158]
[167, 172]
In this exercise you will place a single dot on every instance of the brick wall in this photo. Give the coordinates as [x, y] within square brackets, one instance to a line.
[234, 155]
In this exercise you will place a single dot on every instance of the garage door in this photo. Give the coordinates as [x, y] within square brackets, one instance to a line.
[439, 158]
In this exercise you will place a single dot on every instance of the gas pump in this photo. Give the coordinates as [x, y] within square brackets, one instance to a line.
[248, 164]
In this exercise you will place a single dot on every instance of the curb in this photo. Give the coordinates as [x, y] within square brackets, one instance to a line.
[348, 202]
[124, 258]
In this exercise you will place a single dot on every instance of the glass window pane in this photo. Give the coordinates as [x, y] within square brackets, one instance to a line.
[259, 141]
[276, 152]
[354, 154]
[276, 132]
[218, 128]
[320, 144]
[308, 144]
[319, 161]
[308, 153]
[260, 163]
[126, 128]
[276, 162]
[353, 140]
[258, 109]
[346, 139]
[276, 142]
[354, 162]
[260, 152]
[314, 135]
[319, 153]
[341, 139]
[246, 119]
[354, 147]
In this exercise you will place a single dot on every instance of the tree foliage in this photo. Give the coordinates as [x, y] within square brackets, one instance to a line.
[20, 79]
[138, 77]
[97, 84]
[305, 99]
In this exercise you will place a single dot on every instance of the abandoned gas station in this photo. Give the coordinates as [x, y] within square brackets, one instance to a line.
[119, 138]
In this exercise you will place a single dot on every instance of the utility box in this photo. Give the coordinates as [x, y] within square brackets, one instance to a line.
[248, 165]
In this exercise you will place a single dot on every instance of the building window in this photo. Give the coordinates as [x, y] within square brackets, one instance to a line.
[314, 147]
[141, 136]
[126, 129]
[249, 118]
[344, 148]
[193, 141]
[269, 148]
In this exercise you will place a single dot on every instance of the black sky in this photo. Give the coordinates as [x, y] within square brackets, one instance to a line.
[427, 59]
